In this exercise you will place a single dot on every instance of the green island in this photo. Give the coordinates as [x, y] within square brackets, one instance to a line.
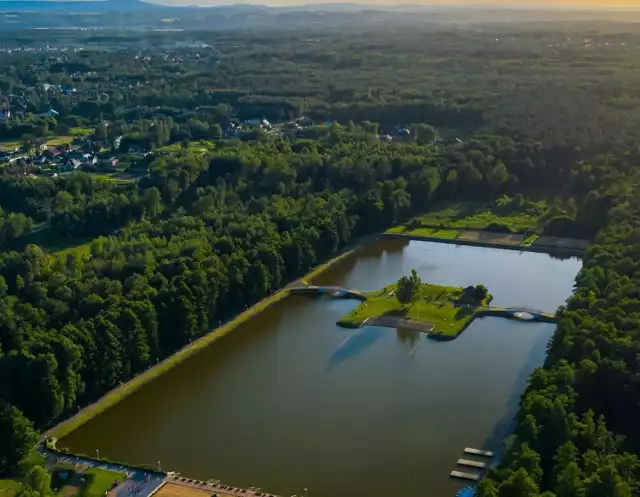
[449, 309]
[441, 311]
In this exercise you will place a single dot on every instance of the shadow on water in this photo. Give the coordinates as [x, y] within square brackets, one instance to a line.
[354, 345]
[506, 425]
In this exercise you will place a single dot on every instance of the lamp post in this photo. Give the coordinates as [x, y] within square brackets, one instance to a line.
[98, 453]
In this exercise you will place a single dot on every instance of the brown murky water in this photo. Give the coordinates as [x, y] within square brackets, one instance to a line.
[290, 401]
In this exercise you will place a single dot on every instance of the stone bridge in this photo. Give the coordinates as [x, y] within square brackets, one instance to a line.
[520, 313]
[336, 292]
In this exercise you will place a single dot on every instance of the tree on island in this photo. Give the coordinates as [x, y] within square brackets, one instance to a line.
[408, 288]
[480, 292]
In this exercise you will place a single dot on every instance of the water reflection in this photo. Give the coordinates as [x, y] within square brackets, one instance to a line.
[411, 338]
[376, 251]
[355, 344]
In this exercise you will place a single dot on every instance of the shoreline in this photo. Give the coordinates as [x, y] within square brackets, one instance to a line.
[544, 249]
[130, 387]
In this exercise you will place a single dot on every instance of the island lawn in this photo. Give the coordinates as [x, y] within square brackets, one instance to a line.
[446, 307]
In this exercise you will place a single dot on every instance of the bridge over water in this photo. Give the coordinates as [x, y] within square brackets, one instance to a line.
[336, 292]
[519, 313]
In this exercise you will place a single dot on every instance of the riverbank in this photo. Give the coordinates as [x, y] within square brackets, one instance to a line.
[542, 244]
[132, 386]
[440, 311]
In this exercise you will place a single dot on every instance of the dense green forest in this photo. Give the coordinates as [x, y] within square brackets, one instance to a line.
[208, 230]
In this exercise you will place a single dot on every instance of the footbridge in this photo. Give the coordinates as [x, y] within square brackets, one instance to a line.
[520, 313]
[336, 292]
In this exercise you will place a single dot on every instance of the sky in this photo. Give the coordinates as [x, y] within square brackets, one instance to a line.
[514, 3]
[609, 4]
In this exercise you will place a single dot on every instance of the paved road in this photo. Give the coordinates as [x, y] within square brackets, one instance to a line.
[138, 484]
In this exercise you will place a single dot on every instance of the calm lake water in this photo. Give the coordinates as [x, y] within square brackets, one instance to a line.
[290, 401]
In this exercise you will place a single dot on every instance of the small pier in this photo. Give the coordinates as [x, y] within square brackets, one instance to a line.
[481, 466]
[472, 464]
[464, 476]
[478, 452]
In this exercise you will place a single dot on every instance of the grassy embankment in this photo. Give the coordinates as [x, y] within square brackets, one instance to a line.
[133, 385]
[458, 220]
[449, 309]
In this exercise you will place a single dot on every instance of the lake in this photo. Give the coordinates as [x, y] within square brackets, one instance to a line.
[290, 401]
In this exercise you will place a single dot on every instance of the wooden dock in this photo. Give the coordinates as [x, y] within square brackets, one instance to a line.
[472, 464]
[464, 476]
[478, 452]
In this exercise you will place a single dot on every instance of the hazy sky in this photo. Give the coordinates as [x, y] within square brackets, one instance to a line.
[528, 3]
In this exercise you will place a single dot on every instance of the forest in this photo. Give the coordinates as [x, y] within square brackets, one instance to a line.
[208, 230]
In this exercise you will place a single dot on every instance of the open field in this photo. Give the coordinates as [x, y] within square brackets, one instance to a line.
[9, 488]
[489, 237]
[80, 131]
[59, 140]
[442, 306]
[478, 216]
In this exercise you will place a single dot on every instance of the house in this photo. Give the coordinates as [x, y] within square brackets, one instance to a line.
[5, 156]
[51, 152]
[69, 165]
[304, 121]
[88, 159]
[40, 160]
[265, 124]
[253, 122]
[111, 162]
[385, 138]
[75, 154]
[117, 142]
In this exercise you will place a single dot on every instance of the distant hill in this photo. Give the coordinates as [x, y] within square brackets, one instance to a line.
[67, 7]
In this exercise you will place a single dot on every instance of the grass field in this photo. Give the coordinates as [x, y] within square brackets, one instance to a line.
[478, 216]
[10, 144]
[81, 250]
[9, 488]
[440, 305]
[98, 481]
[56, 141]
[79, 131]
[434, 232]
